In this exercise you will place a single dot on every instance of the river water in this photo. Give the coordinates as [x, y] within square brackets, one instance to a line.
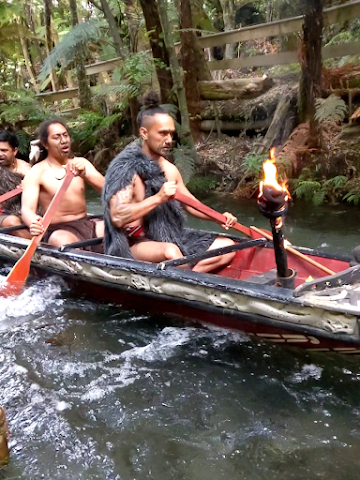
[94, 392]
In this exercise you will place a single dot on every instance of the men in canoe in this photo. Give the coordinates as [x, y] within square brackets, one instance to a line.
[141, 218]
[12, 171]
[70, 223]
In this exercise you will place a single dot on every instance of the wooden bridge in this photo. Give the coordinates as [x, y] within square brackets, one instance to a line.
[332, 15]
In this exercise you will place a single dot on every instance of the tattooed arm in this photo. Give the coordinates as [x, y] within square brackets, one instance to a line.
[124, 208]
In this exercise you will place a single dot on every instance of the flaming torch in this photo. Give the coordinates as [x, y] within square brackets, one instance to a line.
[273, 204]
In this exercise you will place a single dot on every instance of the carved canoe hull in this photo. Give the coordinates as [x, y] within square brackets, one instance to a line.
[242, 296]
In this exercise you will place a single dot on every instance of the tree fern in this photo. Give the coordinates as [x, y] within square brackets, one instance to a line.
[64, 52]
[332, 109]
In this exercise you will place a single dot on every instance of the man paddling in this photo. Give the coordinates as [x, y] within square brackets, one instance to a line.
[12, 171]
[70, 223]
[141, 218]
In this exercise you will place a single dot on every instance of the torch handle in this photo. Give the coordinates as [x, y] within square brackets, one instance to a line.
[295, 252]
[200, 207]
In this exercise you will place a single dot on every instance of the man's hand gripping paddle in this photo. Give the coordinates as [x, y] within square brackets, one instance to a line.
[19, 273]
[252, 232]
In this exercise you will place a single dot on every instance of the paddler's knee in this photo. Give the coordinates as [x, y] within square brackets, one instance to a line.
[11, 221]
[172, 251]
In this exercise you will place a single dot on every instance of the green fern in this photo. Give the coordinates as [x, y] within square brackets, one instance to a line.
[24, 141]
[184, 162]
[319, 197]
[64, 52]
[90, 127]
[337, 182]
[332, 109]
[252, 164]
[351, 197]
[22, 105]
[307, 189]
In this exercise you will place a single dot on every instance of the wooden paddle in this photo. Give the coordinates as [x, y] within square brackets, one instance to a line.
[19, 273]
[12, 193]
[252, 232]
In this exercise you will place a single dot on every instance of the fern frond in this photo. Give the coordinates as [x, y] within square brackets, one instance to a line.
[336, 182]
[24, 141]
[252, 164]
[184, 162]
[319, 197]
[332, 109]
[352, 198]
[22, 105]
[65, 51]
[307, 189]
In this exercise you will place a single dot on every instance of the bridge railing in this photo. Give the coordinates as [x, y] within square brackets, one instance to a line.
[332, 15]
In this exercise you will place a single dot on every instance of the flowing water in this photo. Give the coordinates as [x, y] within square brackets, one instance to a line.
[94, 392]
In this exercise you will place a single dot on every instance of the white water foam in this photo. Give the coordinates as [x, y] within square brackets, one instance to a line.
[162, 347]
[126, 370]
[307, 372]
[33, 301]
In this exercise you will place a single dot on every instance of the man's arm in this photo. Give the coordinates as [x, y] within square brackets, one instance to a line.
[123, 209]
[174, 173]
[29, 201]
[86, 170]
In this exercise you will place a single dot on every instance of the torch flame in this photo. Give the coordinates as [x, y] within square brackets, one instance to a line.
[270, 173]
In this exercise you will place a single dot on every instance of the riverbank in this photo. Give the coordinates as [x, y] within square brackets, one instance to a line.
[233, 165]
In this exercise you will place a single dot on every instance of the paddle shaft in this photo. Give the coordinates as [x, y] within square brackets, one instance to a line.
[20, 271]
[200, 207]
[252, 232]
[12, 193]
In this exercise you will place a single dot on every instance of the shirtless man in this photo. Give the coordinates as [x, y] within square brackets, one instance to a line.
[15, 171]
[43, 181]
[132, 208]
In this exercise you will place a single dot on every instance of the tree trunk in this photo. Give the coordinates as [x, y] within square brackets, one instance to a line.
[27, 61]
[229, 24]
[84, 87]
[114, 28]
[311, 67]
[160, 54]
[48, 40]
[190, 61]
[277, 131]
[133, 26]
[31, 23]
[240, 88]
[178, 80]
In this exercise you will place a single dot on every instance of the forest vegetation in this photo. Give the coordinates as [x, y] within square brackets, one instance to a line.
[227, 119]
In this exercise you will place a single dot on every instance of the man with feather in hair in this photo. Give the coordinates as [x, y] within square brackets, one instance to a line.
[142, 219]
[12, 171]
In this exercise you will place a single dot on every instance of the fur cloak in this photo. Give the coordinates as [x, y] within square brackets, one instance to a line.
[9, 181]
[165, 223]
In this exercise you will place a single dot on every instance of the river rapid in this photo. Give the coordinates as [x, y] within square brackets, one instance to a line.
[93, 392]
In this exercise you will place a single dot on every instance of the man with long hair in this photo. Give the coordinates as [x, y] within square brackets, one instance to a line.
[70, 223]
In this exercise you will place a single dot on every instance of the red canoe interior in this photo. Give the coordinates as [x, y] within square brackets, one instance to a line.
[258, 260]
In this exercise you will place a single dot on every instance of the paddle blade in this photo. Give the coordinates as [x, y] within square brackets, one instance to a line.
[19, 273]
